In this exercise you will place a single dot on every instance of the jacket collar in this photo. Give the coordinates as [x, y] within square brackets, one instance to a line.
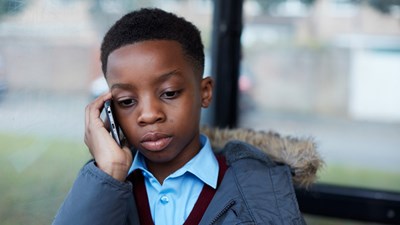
[299, 154]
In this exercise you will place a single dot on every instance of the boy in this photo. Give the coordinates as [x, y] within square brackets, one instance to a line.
[167, 173]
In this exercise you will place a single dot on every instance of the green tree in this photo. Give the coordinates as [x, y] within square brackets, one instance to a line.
[270, 5]
[383, 6]
[11, 6]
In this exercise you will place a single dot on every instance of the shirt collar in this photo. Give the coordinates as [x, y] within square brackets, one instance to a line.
[205, 158]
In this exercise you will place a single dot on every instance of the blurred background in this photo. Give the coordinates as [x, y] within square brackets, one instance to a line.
[325, 69]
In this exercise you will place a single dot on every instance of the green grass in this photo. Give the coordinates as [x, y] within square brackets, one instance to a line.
[361, 177]
[37, 172]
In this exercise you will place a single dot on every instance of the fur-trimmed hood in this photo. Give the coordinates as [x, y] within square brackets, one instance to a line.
[300, 154]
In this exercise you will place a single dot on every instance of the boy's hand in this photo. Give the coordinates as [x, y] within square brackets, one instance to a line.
[109, 157]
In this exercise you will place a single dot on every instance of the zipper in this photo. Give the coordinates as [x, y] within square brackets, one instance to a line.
[223, 211]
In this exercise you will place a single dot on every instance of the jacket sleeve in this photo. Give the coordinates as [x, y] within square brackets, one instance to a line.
[95, 198]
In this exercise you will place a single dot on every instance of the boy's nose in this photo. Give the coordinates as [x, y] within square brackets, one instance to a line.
[150, 113]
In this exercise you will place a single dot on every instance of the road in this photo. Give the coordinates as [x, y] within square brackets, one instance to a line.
[43, 113]
[364, 144]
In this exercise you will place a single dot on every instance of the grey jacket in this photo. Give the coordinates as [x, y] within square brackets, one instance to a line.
[254, 190]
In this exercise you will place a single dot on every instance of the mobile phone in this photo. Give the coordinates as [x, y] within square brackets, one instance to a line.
[114, 127]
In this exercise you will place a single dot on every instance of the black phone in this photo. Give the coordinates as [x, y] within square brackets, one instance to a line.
[114, 127]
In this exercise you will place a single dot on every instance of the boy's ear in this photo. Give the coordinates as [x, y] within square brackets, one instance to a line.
[206, 91]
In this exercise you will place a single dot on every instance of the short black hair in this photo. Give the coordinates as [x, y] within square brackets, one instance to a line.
[154, 24]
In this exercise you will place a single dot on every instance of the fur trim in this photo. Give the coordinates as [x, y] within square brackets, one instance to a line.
[300, 154]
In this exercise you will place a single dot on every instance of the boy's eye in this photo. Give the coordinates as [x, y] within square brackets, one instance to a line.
[170, 94]
[126, 102]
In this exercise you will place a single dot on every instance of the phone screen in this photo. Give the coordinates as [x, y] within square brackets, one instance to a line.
[114, 128]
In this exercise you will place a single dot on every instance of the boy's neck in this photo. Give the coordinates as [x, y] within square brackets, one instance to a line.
[162, 170]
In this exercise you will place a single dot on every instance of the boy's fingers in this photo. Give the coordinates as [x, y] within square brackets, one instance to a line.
[95, 107]
[92, 116]
[86, 116]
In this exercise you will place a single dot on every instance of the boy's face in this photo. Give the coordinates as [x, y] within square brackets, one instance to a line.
[158, 98]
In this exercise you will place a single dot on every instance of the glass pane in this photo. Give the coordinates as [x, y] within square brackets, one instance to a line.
[328, 70]
[49, 72]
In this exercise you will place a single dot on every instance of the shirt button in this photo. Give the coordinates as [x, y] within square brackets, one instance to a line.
[164, 199]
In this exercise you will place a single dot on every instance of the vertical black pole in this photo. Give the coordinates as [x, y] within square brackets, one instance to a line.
[225, 66]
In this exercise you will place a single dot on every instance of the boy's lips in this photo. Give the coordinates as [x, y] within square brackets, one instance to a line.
[153, 141]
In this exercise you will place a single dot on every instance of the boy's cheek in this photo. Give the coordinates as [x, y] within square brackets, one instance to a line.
[131, 141]
[128, 130]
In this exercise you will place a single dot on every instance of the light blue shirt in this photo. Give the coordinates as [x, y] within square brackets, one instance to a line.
[172, 202]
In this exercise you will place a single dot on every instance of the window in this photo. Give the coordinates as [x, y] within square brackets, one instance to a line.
[331, 78]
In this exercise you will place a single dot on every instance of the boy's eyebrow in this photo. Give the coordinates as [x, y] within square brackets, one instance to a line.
[160, 79]
[166, 76]
[121, 86]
